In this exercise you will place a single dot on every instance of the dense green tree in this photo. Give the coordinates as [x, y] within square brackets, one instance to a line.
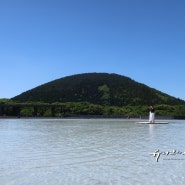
[98, 88]
[85, 108]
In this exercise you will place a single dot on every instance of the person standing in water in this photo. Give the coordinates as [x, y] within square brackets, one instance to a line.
[151, 114]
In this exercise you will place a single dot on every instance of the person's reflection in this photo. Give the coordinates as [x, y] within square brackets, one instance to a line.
[151, 130]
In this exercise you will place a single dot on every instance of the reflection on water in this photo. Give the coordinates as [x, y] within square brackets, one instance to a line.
[88, 152]
[151, 130]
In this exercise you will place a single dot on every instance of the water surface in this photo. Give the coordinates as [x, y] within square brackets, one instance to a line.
[90, 152]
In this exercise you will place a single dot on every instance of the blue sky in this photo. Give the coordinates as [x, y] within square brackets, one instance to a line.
[43, 40]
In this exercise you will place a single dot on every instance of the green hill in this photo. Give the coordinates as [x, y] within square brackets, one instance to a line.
[97, 88]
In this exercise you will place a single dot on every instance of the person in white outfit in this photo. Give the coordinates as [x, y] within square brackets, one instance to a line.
[151, 114]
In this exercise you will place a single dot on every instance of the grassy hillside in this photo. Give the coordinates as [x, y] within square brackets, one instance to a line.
[97, 88]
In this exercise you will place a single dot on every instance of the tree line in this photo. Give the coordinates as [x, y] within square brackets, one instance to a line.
[86, 108]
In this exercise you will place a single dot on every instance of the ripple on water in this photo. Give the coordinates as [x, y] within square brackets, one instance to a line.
[89, 152]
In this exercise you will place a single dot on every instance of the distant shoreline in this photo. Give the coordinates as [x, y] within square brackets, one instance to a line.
[95, 117]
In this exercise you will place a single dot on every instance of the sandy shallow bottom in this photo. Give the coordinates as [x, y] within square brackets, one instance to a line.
[90, 152]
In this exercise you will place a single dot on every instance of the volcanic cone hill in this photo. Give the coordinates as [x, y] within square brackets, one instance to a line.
[97, 88]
